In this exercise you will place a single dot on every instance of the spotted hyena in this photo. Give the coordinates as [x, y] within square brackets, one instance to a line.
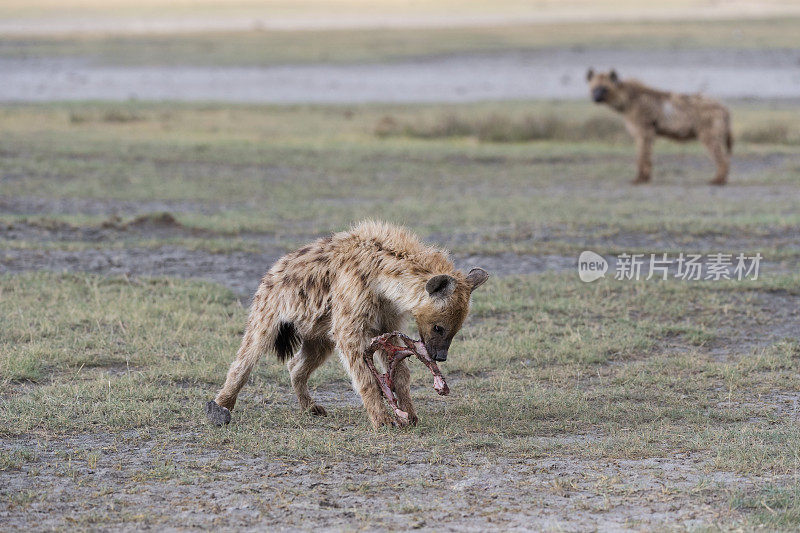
[341, 291]
[649, 112]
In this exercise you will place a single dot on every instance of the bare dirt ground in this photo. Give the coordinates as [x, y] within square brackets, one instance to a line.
[549, 493]
[552, 73]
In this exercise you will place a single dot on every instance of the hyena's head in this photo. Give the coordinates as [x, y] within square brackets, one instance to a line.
[605, 87]
[445, 308]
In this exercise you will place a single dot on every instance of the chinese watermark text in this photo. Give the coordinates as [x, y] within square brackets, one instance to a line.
[663, 266]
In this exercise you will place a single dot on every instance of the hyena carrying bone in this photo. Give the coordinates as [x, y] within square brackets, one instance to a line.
[340, 292]
[394, 354]
[649, 112]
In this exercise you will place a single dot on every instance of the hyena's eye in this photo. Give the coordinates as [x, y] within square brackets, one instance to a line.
[439, 330]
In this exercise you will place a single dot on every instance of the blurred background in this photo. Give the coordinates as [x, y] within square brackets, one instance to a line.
[390, 51]
[173, 132]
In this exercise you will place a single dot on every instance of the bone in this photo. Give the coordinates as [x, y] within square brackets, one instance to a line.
[394, 354]
[440, 386]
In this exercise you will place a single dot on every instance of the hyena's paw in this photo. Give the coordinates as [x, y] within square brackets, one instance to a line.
[408, 407]
[384, 419]
[317, 410]
[218, 415]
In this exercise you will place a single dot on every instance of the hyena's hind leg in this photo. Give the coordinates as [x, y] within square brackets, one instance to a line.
[256, 341]
[313, 352]
[716, 144]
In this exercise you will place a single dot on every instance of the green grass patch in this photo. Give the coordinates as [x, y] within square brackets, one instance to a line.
[541, 355]
[773, 507]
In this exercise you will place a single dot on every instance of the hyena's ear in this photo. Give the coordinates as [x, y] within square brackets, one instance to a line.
[589, 74]
[441, 286]
[613, 76]
[477, 277]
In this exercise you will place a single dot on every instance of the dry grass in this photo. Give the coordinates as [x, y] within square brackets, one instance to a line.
[601, 126]
[505, 128]
[108, 375]
[771, 133]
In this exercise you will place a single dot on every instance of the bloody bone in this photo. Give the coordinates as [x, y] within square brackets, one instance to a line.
[396, 352]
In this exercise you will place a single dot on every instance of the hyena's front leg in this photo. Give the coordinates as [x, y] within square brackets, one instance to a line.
[312, 354]
[352, 349]
[352, 333]
[402, 388]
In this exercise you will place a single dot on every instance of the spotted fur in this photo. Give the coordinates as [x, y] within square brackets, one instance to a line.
[339, 292]
[649, 113]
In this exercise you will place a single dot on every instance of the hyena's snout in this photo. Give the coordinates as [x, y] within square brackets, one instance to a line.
[599, 94]
[439, 355]
[437, 351]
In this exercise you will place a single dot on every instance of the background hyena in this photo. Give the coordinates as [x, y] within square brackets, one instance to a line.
[649, 112]
[340, 292]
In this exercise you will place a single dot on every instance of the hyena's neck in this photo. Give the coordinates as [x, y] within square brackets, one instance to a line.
[406, 294]
[620, 107]
[623, 104]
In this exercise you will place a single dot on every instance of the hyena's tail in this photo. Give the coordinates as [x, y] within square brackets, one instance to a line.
[287, 341]
[262, 336]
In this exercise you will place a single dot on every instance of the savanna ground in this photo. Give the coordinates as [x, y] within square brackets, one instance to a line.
[133, 234]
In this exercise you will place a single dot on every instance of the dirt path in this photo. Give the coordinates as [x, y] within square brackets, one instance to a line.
[554, 74]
